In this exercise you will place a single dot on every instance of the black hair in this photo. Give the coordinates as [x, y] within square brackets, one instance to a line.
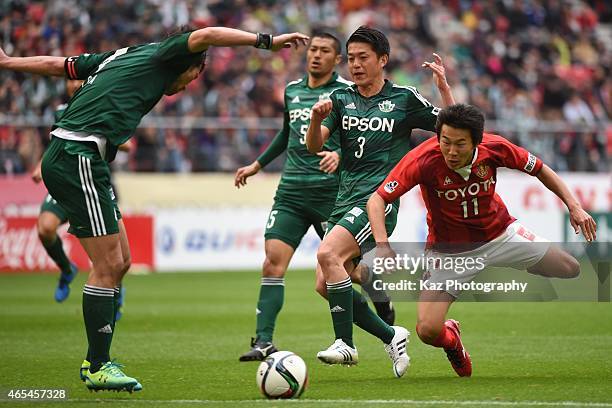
[329, 36]
[377, 40]
[462, 116]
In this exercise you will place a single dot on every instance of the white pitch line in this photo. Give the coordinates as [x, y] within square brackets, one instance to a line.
[348, 401]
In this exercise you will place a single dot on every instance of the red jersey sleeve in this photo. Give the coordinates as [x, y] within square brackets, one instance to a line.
[514, 157]
[406, 174]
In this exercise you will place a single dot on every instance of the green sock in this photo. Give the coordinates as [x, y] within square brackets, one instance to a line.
[365, 318]
[98, 313]
[340, 297]
[56, 252]
[271, 297]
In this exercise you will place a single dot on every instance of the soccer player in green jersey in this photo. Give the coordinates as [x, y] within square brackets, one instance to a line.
[51, 216]
[307, 190]
[375, 119]
[120, 87]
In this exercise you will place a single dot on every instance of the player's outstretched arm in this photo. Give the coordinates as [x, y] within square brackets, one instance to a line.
[580, 219]
[317, 134]
[439, 77]
[40, 65]
[203, 38]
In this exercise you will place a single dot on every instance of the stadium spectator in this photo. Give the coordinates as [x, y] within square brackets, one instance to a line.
[508, 57]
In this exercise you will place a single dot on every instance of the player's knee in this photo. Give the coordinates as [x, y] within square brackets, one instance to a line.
[272, 268]
[326, 256]
[46, 232]
[570, 267]
[427, 331]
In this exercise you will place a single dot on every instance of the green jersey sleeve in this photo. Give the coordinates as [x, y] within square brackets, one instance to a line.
[278, 144]
[421, 113]
[333, 119]
[82, 66]
[173, 47]
[173, 54]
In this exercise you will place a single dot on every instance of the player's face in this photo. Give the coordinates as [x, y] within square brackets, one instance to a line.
[456, 146]
[321, 57]
[183, 80]
[364, 65]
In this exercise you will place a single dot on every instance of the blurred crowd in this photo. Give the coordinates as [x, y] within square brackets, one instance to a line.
[540, 69]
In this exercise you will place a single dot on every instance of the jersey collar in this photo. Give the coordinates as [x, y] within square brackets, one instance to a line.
[465, 172]
[384, 91]
[333, 78]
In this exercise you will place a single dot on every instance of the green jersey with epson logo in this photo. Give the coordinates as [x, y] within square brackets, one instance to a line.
[301, 168]
[374, 135]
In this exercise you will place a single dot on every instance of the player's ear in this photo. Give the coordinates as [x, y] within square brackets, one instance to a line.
[383, 60]
[338, 59]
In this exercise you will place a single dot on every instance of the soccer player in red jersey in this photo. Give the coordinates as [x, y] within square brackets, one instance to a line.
[457, 174]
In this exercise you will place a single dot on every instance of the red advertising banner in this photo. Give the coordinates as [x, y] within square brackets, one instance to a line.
[21, 250]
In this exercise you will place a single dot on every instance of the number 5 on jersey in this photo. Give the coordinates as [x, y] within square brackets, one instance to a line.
[271, 219]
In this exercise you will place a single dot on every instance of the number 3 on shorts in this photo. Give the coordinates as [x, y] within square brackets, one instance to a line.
[271, 219]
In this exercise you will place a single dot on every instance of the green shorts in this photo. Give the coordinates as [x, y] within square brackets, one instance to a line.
[295, 210]
[355, 219]
[50, 205]
[78, 178]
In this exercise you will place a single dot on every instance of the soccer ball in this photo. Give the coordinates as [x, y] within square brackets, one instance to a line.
[282, 375]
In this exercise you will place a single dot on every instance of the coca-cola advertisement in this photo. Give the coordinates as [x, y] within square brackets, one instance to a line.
[20, 248]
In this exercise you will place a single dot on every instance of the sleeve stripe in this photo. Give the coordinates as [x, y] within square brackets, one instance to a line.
[416, 94]
[70, 68]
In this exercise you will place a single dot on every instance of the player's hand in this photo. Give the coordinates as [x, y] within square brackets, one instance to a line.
[37, 173]
[288, 40]
[438, 71]
[321, 110]
[582, 221]
[384, 251]
[245, 172]
[329, 162]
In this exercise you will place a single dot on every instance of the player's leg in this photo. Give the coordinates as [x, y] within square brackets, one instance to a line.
[382, 303]
[127, 263]
[556, 263]
[286, 225]
[79, 180]
[50, 218]
[271, 298]
[337, 248]
[433, 329]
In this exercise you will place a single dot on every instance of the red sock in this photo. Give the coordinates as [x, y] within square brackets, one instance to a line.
[446, 339]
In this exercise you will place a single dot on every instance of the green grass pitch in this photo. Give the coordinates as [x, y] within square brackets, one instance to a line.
[182, 333]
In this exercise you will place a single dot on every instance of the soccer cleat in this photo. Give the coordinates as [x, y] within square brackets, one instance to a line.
[385, 311]
[111, 378]
[84, 369]
[63, 286]
[259, 351]
[119, 312]
[397, 351]
[458, 356]
[339, 353]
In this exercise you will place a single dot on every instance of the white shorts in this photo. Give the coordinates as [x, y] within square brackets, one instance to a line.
[516, 248]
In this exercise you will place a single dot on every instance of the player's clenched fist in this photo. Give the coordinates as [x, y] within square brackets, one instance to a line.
[321, 110]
